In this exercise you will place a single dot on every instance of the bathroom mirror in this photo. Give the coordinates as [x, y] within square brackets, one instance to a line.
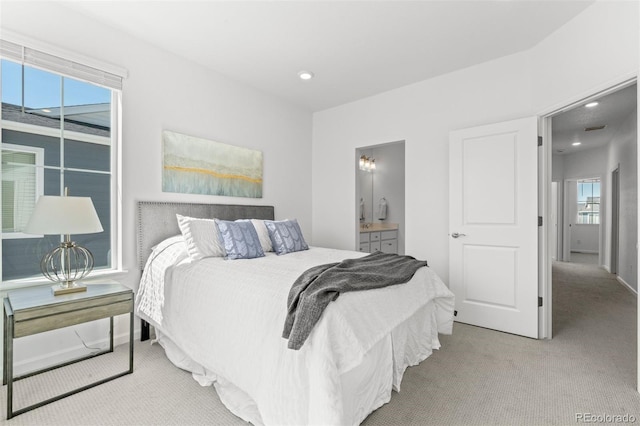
[380, 199]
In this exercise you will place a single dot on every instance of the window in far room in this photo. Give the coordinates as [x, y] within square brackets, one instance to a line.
[58, 131]
[589, 201]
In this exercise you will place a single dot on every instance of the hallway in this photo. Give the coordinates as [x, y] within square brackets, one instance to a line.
[591, 307]
[584, 258]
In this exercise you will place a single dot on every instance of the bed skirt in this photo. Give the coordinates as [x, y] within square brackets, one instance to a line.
[364, 388]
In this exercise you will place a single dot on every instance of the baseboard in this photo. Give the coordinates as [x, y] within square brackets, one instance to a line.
[606, 268]
[624, 283]
[53, 358]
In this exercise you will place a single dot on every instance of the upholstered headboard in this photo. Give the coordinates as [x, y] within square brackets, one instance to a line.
[157, 220]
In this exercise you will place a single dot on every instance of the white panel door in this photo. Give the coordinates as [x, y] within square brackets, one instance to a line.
[493, 244]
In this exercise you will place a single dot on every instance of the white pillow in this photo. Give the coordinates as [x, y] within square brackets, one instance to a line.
[202, 237]
[263, 234]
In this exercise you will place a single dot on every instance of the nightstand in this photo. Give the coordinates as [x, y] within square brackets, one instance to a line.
[35, 310]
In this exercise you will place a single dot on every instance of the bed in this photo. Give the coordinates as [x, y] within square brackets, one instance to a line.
[222, 320]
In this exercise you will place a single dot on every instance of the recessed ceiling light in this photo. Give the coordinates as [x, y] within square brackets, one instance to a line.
[305, 75]
[591, 104]
[576, 143]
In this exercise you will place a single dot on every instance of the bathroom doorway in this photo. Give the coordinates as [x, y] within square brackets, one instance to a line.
[380, 198]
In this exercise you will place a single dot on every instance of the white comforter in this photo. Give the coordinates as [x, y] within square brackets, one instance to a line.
[223, 320]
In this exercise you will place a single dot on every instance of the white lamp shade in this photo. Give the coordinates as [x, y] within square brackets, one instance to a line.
[55, 215]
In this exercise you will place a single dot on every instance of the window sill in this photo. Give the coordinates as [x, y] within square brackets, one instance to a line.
[95, 276]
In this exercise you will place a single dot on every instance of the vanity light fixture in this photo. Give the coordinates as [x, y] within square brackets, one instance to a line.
[305, 75]
[591, 104]
[367, 164]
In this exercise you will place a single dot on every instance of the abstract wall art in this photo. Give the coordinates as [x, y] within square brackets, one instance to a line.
[199, 166]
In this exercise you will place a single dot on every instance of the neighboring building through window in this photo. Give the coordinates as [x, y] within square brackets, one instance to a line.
[589, 201]
[22, 184]
[56, 133]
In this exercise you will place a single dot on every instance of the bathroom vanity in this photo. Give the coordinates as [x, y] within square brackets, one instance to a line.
[379, 237]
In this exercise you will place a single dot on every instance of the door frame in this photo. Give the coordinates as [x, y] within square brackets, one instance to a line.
[559, 230]
[566, 220]
[615, 217]
[555, 210]
[544, 197]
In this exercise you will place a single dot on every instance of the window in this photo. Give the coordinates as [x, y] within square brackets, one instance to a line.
[22, 184]
[589, 201]
[58, 131]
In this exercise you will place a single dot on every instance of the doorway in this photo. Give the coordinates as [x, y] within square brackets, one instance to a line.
[581, 236]
[587, 144]
[380, 198]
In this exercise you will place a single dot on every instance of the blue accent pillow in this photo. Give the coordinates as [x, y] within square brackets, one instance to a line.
[240, 239]
[286, 236]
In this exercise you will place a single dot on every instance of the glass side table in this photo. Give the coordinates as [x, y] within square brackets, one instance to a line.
[36, 310]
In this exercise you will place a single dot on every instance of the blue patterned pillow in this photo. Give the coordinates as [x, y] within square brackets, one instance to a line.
[286, 236]
[239, 239]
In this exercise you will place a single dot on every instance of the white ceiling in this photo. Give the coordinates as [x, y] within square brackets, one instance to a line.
[355, 48]
[611, 111]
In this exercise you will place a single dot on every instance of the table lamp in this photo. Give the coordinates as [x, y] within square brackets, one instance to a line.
[65, 215]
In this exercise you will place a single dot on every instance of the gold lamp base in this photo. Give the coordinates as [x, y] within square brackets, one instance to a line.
[66, 288]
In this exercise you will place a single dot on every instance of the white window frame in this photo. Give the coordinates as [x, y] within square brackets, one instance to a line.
[116, 139]
[39, 167]
[578, 217]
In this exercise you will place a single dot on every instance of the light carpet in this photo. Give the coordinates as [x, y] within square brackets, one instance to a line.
[479, 377]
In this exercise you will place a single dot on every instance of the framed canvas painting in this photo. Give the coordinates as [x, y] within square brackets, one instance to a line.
[199, 166]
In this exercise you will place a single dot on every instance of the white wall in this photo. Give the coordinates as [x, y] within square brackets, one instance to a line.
[594, 50]
[422, 115]
[560, 68]
[557, 163]
[164, 91]
[622, 152]
[585, 238]
[589, 163]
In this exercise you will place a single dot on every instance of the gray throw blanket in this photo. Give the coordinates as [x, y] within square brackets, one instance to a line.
[318, 286]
